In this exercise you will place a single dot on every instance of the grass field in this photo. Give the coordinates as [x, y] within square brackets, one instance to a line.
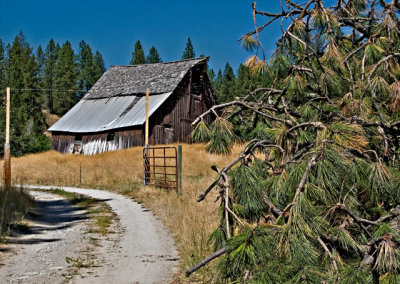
[122, 171]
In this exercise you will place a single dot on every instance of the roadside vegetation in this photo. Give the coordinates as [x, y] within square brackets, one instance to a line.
[122, 171]
[14, 205]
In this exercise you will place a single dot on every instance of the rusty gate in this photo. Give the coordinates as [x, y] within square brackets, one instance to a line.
[161, 166]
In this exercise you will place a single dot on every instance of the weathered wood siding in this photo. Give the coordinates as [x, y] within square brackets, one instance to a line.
[93, 143]
[192, 97]
[61, 141]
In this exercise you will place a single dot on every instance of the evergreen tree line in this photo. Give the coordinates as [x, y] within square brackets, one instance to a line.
[138, 56]
[227, 86]
[49, 80]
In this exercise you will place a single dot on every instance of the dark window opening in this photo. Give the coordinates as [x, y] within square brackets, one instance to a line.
[110, 136]
[167, 120]
[78, 138]
[197, 81]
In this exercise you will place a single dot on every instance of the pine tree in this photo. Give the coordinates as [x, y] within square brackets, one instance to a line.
[26, 121]
[99, 66]
[211, 74]
[153, 56]
[229, 80]
[246, 81]
[2, 67]
[86, 67]
[218, 82]
[225, 84]
[65, 78]
[314, 196]
[51, 54]
[138, 56]
[189, 50]
[40, 59]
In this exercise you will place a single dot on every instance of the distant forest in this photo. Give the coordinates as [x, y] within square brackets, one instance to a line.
[50, 80]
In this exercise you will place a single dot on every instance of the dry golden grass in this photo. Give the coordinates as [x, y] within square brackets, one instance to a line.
[122, 171]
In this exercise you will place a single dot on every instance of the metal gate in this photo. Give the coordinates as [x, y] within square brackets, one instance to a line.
[161, 166]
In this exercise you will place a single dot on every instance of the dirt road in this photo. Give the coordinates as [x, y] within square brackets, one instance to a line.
[141, 250]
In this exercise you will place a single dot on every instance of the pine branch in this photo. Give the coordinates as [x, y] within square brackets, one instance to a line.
[317, 125]
[334, 263]
[207, 260]
[360, 221]
[226, 203]
[301, 185]
[204, 194]
[277, 212]
[395, 212]
[235, 216]
[240, 103]
[376, 66]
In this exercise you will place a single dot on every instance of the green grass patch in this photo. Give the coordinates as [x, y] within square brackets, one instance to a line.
[99, 212]
[102, 224]
[79, 262]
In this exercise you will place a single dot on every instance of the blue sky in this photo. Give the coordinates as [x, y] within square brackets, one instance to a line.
[112, 27]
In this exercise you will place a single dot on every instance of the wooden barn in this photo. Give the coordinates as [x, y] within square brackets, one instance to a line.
[112, 114]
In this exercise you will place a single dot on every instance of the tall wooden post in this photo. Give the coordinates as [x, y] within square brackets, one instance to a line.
[146, 141]
[7, 154]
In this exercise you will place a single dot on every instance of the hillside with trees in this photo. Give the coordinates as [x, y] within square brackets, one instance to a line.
[314, 195]
[51, 80]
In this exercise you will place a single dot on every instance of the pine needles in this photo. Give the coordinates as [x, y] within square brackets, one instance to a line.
[201, 133]
[315, 192]
[222, 137]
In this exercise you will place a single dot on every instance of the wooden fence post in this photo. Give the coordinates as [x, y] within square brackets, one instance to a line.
[179, 168]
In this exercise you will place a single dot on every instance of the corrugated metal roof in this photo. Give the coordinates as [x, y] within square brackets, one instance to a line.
[108, 113]
[136, 79]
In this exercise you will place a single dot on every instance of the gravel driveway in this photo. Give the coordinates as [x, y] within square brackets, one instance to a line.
[141, 250]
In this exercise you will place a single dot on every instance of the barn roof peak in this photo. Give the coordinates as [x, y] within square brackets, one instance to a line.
[125, 80]
[168, 62]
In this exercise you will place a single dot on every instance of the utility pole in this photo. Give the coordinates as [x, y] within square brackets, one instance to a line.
[146, 143]
[7, 154]
[147, 120]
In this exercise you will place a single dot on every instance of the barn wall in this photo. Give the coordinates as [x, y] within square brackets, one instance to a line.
[192, 97]
[169, 124]
[129, 137]
[94, 143]
[61, 141]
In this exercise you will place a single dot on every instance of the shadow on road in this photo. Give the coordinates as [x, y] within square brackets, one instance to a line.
[50, 214]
